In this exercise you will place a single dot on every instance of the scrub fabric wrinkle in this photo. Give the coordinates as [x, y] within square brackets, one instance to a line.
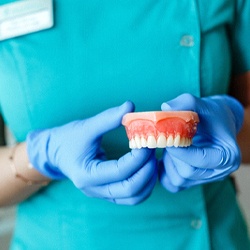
[98, 55]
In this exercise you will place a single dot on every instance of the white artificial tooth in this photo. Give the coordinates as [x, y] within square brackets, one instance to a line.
[161, 141]
[151, 142]
[177, 141]
[182, 142]
[185, 142]
[132, 144]
[138, 141]
[143, 142]
[188, 142]
[170, 141]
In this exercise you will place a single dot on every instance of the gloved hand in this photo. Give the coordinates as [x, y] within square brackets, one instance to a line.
[73, 151]
[214, 153]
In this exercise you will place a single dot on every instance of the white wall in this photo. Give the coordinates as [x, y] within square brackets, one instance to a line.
[243, 182]
[7, 221]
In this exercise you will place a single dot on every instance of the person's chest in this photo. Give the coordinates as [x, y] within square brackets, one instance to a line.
[101, 53]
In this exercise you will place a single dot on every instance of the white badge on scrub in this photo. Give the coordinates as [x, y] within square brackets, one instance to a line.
[24, 17]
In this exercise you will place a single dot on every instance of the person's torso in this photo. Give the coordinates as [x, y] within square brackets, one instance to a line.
[100, 54]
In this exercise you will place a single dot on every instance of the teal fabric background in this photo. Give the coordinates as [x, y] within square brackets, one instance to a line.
[99, 54]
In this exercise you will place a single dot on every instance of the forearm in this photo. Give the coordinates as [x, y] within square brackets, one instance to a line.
[13, 189]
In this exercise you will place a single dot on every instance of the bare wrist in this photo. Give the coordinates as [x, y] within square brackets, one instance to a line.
[22, 169]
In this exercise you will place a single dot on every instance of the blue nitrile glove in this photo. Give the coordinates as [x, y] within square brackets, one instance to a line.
[214, 153]
[73, 151]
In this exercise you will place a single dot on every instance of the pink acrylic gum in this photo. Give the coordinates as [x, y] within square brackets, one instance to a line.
[160, 128]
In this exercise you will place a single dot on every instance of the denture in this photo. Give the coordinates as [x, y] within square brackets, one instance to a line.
[160, 129]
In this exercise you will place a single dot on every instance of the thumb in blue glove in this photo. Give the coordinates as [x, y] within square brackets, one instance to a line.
[214, 153]
[73, 151]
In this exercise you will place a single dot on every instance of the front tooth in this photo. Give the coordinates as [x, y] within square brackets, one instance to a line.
[138, 141]
[132, 143]
[143, 142]
[182, 142]
[187, 142]
[170, 141]
[177, 141]
[151, 142]
[161, 141]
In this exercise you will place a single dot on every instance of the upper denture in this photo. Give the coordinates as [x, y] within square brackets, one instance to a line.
[160, 128]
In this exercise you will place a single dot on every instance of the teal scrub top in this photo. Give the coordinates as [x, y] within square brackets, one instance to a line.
[98, 54]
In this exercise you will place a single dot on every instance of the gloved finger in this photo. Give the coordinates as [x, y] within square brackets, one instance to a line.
[107, 120]
[169, 181]
[177, 175]
[101, 155]
[171, 172]
[190, 102]
[193, 175]
[205, 157]
[99, 172]
[173, 180]
[165, 180]
[143, 195]
[187, 171]
[130, 187]
[216, 177]
[181, 102]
